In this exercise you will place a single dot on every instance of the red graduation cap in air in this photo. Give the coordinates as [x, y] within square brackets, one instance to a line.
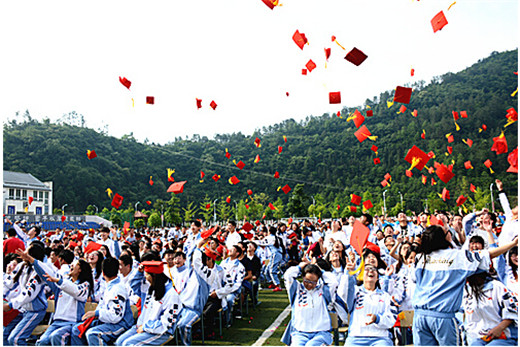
[276, 174]
[310, 65]
[512, 159]
[358, 118]
[247, 227]
[367, 204]
[240, 165]
[359, 236]
[444, 173]
[362, 133]
[213, 104]
[356, 56]
[215, 177]
[334, 97]
[286, 189]
[125, 82]
[91, 154]
[355, 199]
[117, 201]
[416, 157]
[150, 100]
[234, 180]
[177, 187]
[439, 21]
[299, 39]
[402, 94]
[199, 103]
[460, 200]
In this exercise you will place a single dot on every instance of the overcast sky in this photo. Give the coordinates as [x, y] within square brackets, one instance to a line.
[63, 56]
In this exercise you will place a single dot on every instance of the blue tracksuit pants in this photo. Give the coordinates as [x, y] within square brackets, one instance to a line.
[274, 268]
[57, 334]
[98, 334]
[20, 328]
[319, 338]
[187, 318]
[434, 329]
[132, 338]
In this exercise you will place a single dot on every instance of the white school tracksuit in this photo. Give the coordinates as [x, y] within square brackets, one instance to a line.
[195, 295]
[440, 278]
[113, 316]
[232, 276]
[310, 320]
[69, 306]
[360, 302]
[157, 318]
[497, 304]
[275, 259]
[27, 296]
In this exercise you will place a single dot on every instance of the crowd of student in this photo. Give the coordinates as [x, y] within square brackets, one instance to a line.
[459, 274]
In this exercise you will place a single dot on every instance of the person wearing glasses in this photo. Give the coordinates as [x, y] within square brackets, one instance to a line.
[310, 323]
[372, 311]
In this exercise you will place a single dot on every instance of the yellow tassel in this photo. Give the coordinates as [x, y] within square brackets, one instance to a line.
[491, 170]
[339, 44]
[389, 104]
[514, 93]
[373, 138]
[132, 102]
[452, 5]
[353, 272]
[464, 208]
[415, 162]
[457, 127]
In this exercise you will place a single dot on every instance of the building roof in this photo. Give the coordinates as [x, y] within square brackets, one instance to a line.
[23, 181]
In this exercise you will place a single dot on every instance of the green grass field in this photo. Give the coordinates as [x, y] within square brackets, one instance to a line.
[245, 331]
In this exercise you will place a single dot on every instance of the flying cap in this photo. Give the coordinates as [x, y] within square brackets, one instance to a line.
[91, 154]
[445, 194]
[370, 113]
[199, 103]
[402, 94]
[213, 104]
[377, 161]
[153, 267]
[499, 144]
[249, 192]
[362, 133]
[352, 208]
[276, 174]
[91, 247]
[358, 118]
[355, 56]
[299, 39]
[150, 100]
[439, 21]
[310, 65]
[240, 165]
[207, 233]
[286, 189]
[234, 180]
[460, 200]
[444, 173]
[355, 199]
[215, 177]
[359, 236]
[272, 207]
[117, 201]
[125, 82]
[176, 187]
[512, 159]
[367, 204]
[334, 97]
[247, 227]
[417, 158]
[468, 165]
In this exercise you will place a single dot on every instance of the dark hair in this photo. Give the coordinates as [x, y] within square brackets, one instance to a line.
[323, 264]
[311, 269]
[368, 217]
[126, 259]
[104, 230]
[151, 255]
[99, 263]
[179, 254]
[238, 249]
[169, 251]
[433, 239]
[67, 256]
[37, 229]
[109, 255]
[158, 288]
[36, 251]
[252, 243]
[11, 232]
[477, 239]
[233, 223]
[197, 223]
[514, 267]
[9, 258]
[85, 275]
[476, 283]
[110, 267]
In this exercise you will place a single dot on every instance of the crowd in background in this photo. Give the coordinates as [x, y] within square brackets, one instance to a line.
[457, 272]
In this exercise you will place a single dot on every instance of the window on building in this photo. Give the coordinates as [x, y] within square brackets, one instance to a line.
[41, 196]
[35, 195]
[24, 194]
[11, 193]
[18, 194]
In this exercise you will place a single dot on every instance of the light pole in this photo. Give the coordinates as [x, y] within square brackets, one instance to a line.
[426, 210]
[63, 208]
[135, 206]
[96, 208]
[236, 210]
[214, 212]
[402, 207]
[384, 201]
[492, 201]
[314, 209]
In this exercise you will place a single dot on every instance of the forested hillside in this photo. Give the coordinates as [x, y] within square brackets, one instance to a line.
[321, 153]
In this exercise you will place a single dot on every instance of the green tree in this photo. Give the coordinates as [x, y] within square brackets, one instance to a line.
[296, 206]
[279, 213]
[190, 211]
[172, 214]
[90, 210]
[206, 209]
[224, 211]
[115, 217]
[154, 221]
[139, 223]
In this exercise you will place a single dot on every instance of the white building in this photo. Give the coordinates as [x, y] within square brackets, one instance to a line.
[19, 187]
